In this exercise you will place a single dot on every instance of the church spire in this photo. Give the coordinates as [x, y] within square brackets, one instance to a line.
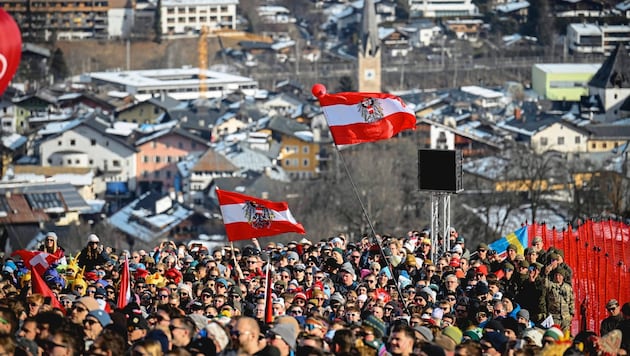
[369, 56]
[370, 44]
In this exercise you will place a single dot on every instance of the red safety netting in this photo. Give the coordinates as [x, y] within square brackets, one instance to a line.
[598, 255]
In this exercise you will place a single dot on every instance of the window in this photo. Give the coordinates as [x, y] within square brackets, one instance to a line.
[561, 140]
[305, 149]
[593, 145]
[180, 145]
[305, 163]
[154, 144]
[116, 163]
[169, 159]
[168, 174]
[77, 162]
[145, 159]
[604, 145]
[156, 174]
[58, 143]
[69, 162]
[91, 162]
[543, 141]
[93, 142]
[578, 139]
[287, 162]
[145, 174]
[157, 159]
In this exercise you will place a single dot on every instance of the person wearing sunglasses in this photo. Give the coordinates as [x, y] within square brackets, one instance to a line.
[64, 342]
[81, 308]
[51, 246]
[92, 255]
[93, 324]
[614, 317]
[316, 326]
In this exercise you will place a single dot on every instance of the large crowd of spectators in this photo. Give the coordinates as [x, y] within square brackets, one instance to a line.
[375, 296]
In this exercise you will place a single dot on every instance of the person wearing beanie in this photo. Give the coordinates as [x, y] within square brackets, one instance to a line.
[454, 333]
[51, 245]
[552, 335]
[93, 325]
[81, 308]
[493, 343]
[92, 255]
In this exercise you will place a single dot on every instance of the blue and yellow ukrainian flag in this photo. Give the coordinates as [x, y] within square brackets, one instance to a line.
[518, 238]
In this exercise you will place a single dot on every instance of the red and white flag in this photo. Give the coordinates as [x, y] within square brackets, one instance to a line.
[247, 217]
[39, 286]
[38, 261]
[364, 117]
[268, 298]
[124, 288]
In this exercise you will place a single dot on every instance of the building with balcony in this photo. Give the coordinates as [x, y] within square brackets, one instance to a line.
[594, 38]
[66, 20]
[189, 16]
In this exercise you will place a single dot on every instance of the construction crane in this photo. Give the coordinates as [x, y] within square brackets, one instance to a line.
[202, 49]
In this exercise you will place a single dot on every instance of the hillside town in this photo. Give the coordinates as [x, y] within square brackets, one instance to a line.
[144, 208]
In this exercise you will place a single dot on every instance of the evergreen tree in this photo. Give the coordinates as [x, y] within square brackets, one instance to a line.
[58, 66]
[345, 84]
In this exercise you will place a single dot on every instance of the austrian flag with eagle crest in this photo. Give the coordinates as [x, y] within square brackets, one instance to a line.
[246, 217]
[364, 117]
[370, 109]
[258, 215]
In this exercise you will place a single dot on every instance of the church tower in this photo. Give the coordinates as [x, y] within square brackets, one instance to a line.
[369, 75]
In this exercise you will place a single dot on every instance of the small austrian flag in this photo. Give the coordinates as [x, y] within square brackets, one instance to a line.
[248, 217]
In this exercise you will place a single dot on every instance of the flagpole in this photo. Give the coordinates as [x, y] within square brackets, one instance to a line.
[367, 217]
[268, 318]
[239, 273]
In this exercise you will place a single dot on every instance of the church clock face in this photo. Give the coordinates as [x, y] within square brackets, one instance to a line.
[369, 74]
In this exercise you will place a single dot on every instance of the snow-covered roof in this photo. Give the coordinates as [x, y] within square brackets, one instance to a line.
[13, 141]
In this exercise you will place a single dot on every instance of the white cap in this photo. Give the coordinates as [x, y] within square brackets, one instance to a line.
[52, 234]
[93, 238]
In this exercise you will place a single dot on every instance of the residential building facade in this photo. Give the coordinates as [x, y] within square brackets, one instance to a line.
[561, 137]
[158, 155]
[189, 16]
[89, 145]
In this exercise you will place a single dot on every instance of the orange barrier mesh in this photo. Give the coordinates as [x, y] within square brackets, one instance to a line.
[598, 255]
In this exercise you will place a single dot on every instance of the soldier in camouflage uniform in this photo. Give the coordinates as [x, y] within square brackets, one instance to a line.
[559, 299]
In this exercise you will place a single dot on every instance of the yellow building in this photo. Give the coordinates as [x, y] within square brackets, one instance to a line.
[607, 137]
[294, 147]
